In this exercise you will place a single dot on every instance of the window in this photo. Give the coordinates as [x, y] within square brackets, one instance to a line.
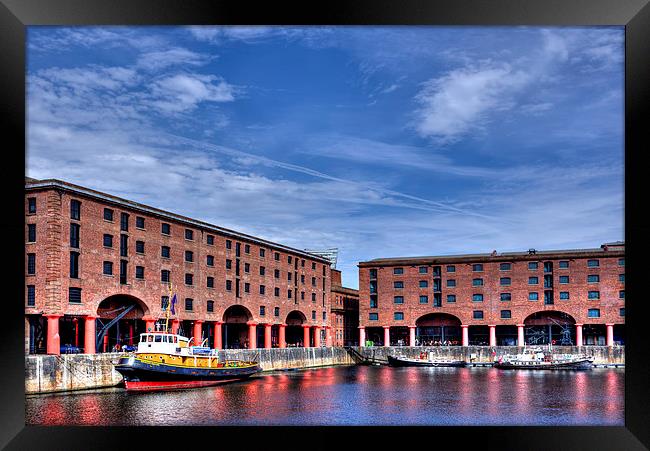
[108, 240]
[228, 263]
[189, 279]
[373, 300]
[262, 270]
[313, 281]
[276, 256]
[74, 295]
[564, 279]
[313, 297]
[139, 272]
[108, 214]
[398, 316]
[398, 284]
[276, 273]
[75, 209]
[74, 265]
[31, 206]
[165, 229]
[124, 245]
[302, 278]
[424, 284]
[139, 222]
[373, 273]
[621, 311]
[164, 275]
[31, 295]
[189, 304]
[276, 291]
[247, 287]
[451, 298]
[477, 314]
[139, 247]
[451, 283]
[210, 239]
[423, 269]
[477, 282]
[399, 299]
[31, 264]
[262, 289]
[164, 302]
[533, 280]
[477, 297]
[289, 276]
[621, 277]
[451, 268]
[564, 264]
[313, 314]
[324, 316]
[532, 265]
[74, 235]
[108, 268]
[289, 294]
[228, 285]
[593, 295]
[262, 310]
[593, 313]
[262, 252]
[31, 234]
[506, 314]
[398, 270]
[123, 271]
[424, 299]
[533, 296]
[210, 306]
[506, 297]
[593, 263]
[373, 316]
[621, 262]
[289, 259]
[564, 295]
[593, 278]
[505, 266]
[477, 267]
[621, 294]
[302, 263]
[164, 251]
[124, 222]
[247, 248]
[505, 281]
[313, 265]
[210, 282]
[276, 311]
[189, 256]
[210, 260]
[189, 234]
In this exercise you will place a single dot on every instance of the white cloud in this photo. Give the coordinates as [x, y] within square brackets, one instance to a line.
[161, 59]
[183, 92]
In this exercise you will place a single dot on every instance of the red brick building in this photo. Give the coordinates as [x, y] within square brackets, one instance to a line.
[99, 268]
[345, 313]
[562, 297]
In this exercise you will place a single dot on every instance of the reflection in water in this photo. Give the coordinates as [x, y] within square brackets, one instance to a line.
[363, 395]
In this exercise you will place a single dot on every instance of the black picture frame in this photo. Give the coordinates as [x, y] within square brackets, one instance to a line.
[15, 15]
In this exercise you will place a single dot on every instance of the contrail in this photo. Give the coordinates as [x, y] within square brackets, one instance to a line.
[303, 170]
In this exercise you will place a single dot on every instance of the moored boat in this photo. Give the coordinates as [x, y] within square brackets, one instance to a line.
[539, 359]
[423, 360]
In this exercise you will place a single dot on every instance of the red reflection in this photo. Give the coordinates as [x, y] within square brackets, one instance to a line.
[466, 393]
[90, 410]
[581, 385]
[612, 389]
[54, 412]
[521, 387]
[493, 392]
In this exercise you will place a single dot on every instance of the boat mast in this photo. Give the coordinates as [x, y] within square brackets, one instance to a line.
[167, 308]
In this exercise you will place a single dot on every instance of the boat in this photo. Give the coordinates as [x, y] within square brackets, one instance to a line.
[423, 360]
[165, 361]
[540, 359]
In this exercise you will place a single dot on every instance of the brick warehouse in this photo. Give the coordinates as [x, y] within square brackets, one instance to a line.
[534, 297]
[345, 312]
[98, 270]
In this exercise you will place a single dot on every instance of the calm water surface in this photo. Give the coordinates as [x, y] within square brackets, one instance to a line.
[358, 395]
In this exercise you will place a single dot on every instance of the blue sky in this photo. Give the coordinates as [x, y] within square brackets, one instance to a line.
[380, 141]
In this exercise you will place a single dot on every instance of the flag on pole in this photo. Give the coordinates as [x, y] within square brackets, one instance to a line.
[172, 305]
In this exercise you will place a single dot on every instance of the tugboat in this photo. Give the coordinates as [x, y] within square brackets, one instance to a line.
[539, 359]
[165, 361]
[423, 360]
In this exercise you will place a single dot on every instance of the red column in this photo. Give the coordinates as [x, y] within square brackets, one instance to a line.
[106, 342]
[578, 334]
[175, 325]
[217, 335]
[411, 335]
[386, 335]
[198, 333]
[493, 335]
[75, 321]
[362, 336]
[282, 336]
[317, 336]
[465, 339]
[328, 336]
[131, 334]
[53, 339]
[267, 336]
[520, 335]
[305, 336]
[252, 335]
[89, 335]
[610, 335]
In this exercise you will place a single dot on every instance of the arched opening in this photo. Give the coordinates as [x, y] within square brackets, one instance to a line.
[550, 326]
[234, 332]
[294, 334]
[438, 328]
[119, 321]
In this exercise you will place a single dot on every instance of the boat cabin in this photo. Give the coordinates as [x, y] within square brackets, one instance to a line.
[165, 343]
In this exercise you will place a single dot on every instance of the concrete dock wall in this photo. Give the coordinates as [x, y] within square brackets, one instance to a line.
[601, 354]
